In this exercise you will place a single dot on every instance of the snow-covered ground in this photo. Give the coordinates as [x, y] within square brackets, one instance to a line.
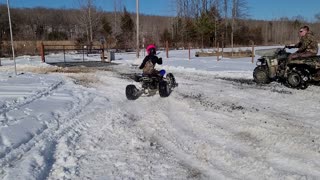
[76, 123]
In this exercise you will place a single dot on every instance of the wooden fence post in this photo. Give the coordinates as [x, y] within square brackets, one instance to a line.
[64, 54]
[218, 54]
[189, 52]
[252, 52]
[82, 53]
[222, 49]
[102, 53]
[167, 49]
[42, 52]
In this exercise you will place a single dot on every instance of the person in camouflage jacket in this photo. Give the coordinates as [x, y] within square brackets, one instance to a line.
[307, 46]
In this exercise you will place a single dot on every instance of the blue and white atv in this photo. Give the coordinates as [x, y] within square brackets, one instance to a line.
[150, 85]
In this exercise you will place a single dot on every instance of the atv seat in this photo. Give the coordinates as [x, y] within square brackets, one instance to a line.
[313, 58]
[312, 61]
[149, 77]
[152, 76]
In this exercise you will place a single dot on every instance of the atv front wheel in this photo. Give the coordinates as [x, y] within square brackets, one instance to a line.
[164, 89]
[261, 75]
[296, 80]
[132, 92]
[171, 80]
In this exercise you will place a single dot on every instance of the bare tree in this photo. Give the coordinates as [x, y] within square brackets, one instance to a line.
[317, 16]
[89, 18]
[234, 12]
[225, 8]
[216, 5]
[239, 10]
[118, 7]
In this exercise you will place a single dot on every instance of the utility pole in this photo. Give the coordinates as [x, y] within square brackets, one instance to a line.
[13, 55]
[137, 10]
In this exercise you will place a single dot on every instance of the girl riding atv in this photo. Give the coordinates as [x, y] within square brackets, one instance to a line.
[150, 61]
[152, 80]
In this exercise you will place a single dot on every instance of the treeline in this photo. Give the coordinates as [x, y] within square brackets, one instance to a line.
[199, 23]
[207, 23]
[83, 26]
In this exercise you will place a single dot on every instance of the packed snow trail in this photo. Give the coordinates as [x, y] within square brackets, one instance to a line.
[216, 125]
[50, 132]
[241, 131]
[226, 124]
[213, 126]
[113, 145]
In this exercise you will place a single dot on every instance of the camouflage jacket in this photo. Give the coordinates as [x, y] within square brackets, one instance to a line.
[307, 43]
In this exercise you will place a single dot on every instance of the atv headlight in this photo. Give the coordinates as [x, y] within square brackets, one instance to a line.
[261, 62]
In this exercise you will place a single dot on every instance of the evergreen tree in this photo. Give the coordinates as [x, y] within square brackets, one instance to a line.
[244, 35]
[106, 27]
[125, 38]
[178, 31]
[166, 36]
[207, 25]
[190, 31]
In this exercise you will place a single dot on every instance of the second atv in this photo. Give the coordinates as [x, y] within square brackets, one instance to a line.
[298, 73]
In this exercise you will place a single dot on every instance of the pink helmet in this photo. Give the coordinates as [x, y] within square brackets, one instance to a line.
[151, 49]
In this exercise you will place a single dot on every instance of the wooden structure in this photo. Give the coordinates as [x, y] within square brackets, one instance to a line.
[83, 49]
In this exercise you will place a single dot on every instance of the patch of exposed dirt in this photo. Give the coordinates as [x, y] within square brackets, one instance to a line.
[238, 80]
[85, 80]
[55, 69]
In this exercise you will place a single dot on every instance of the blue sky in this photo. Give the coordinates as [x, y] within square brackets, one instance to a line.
[166, 7]
[274, 9]
[258, 9]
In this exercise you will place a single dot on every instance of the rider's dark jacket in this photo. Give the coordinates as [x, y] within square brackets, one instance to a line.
[149, 63]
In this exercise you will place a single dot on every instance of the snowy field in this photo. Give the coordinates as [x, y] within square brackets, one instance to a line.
[76, 123]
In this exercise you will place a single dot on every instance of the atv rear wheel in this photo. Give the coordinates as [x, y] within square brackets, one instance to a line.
[296, 80]
[164, 89]
[261, 75]
[132, 92]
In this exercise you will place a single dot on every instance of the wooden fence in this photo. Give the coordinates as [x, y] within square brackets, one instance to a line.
[83, 49]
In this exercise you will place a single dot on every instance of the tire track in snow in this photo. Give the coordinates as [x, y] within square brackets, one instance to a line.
[156, 131]
[48, 136]
[35, 96]
[255, 137]
[277, 127]
[252, 143]
[180, 141]
[261, 131]
[128, 154]
[115, 146]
